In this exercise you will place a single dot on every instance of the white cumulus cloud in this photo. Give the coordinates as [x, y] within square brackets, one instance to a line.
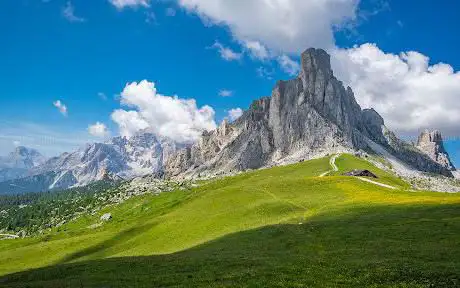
[168, 116]
[61, 107]
[256, 50]
[129, 122]
[276, 29]
[120, 4]
[288, 65]
[409, 92]
[405, 89]
[289, 26]
[98, 130]
[234, 113]
[226, 53]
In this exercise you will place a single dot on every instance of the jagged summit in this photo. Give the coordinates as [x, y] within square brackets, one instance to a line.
[428, 136]
[432, 144]
[308, 116]
[24, 151]
[314, 59]
[22, 157]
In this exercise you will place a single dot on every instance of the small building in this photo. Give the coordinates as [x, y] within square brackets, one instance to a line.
[360, 173]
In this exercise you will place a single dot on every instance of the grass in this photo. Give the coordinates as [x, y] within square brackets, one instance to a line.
[282, 227]
[347, 162]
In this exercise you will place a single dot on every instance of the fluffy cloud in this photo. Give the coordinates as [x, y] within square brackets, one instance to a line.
[235, 113]
[225, 93]
[98, 130]
[288, 65]
[173, 117]
[61, 107]
[408, 92]
[129, 122]
[287, 26]
[273, 29]
[120, 4]
[256, 50]
[69, 13]
[226, 53]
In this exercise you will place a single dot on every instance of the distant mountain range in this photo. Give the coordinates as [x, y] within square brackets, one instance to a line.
[127, 158]
[18, 163]
[309, 116]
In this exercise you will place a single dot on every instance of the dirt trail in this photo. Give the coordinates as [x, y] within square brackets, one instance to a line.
[376, 183]
[335, 169]
[332, 163]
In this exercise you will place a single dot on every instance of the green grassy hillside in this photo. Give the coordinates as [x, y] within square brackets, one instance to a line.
[276, 227]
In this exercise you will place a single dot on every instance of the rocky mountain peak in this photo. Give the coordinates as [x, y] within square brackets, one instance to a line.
[308, 116]
[432, 144]
[23, 157]
[428, 136]
[314, 61]
[21, 151]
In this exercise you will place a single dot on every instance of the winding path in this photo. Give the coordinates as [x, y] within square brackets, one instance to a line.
[335, 169]
[376, 183]
[332, 163]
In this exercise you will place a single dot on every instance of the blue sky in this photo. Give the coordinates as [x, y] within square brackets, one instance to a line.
[84, 53]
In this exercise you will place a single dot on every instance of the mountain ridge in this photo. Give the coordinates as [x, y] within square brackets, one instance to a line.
[309, 116]
[121, 157]
[18, 163]
[305, 117]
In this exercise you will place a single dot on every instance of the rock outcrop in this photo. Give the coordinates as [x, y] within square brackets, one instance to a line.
[309, 116]
[431, 143]
[306, 116]
[106, 217]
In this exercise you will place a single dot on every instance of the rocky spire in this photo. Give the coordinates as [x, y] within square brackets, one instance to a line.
[313, 114]
[431, 143]
[314, 61]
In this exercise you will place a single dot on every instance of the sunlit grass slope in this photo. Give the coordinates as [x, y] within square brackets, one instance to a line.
[347, 162]
[276, 227]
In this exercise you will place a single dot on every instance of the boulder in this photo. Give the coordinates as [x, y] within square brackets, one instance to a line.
[106, 217]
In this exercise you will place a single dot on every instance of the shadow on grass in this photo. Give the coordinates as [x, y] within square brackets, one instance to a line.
[398, 246]
[121, 237]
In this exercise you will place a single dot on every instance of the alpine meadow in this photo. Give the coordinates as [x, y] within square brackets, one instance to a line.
[128, 160]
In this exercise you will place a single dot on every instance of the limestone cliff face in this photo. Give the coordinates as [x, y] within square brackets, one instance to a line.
[431, 143]
[311, 115]
[313, 111]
